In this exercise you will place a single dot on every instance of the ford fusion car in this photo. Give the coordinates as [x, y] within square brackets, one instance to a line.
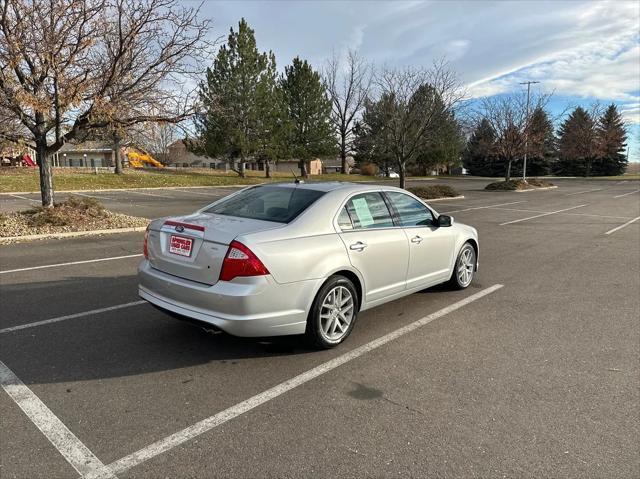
[301, 258]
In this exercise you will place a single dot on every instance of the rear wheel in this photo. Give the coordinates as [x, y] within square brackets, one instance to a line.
[465, 267]
[333, 313]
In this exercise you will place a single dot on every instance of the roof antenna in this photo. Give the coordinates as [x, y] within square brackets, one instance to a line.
[297, 180]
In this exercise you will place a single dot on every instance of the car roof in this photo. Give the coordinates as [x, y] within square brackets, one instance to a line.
[326, 186]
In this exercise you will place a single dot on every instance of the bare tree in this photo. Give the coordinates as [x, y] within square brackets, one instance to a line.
[507, 115]
[71, 66]
[155, 138]
[416, 99]
[348, 88]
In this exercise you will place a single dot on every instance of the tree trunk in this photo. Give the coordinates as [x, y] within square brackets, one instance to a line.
[243, 172]
[343, 155]
[402, 173]
[267, 169]
[116, 148]
[46, 175]
[507, 177]
[588, 171]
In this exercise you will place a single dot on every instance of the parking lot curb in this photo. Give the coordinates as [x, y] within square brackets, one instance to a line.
[461, 197]
[70, 234]
[536, 189]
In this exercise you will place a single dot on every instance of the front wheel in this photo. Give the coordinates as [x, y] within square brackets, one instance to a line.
[333, 313]
[465, 267]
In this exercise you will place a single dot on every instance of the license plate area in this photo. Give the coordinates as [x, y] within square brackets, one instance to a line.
[181, 246]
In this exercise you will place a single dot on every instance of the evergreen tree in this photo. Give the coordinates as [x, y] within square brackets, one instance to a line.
[308, 107]
[479, 158]
[576, 144]
[541, 150]
[272, 118]
[234, 96]
[443, 147]
[611, 137]
[372, 137]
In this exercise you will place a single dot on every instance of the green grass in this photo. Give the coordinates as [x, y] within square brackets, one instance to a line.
[65, 179]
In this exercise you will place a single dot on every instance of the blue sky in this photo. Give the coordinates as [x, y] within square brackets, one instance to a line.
[581, 51]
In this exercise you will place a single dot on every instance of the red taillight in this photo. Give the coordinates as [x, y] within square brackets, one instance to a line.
[145, 248]
[240, 261]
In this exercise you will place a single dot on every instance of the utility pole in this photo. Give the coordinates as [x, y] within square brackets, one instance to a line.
[526, 130]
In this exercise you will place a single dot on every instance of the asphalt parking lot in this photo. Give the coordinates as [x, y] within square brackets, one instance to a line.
[531, 372]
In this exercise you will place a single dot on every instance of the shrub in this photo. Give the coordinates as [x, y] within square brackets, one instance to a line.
[512, 185]
[369, 169]
[65, 213]
[431, 192]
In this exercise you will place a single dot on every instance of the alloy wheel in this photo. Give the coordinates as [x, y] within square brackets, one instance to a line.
[336, 313]
[466, 266]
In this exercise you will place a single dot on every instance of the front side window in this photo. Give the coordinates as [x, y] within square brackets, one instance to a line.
[368, 210]
[411, 211]
[268, 203]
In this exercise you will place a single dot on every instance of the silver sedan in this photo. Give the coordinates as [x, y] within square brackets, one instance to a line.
[301, 258]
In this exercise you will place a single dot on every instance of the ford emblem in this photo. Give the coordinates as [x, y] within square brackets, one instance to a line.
[179, 228]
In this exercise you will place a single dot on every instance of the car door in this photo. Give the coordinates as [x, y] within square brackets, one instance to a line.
[431, 248]
[376, 247]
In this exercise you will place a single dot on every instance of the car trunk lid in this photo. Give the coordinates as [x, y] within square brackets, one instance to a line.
[193, 247]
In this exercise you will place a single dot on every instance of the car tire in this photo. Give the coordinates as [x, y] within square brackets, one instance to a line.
[464, 268]
[333, 313]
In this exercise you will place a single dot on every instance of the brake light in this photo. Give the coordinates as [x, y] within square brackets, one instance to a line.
[145, 248]
[240, 261]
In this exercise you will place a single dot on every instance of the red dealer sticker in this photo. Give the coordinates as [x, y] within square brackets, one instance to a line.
[180, 246]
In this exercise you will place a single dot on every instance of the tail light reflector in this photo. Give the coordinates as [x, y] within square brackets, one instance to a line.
[240, 261]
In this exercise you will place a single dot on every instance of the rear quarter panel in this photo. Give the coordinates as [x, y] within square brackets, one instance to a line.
[302, 258]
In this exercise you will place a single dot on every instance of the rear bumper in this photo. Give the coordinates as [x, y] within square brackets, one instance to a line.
[251, 307]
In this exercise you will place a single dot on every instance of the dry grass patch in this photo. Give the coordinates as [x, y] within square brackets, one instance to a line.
[74, 214]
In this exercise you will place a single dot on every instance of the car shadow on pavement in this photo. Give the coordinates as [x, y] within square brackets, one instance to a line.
[133, 340]
[130, 341]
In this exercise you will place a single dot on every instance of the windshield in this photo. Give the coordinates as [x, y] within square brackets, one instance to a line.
[267, 203]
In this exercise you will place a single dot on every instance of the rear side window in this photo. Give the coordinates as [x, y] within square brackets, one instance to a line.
[410, 210]
[368, 210]
[267, 203]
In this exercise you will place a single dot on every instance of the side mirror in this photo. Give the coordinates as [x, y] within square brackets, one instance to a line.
[444, 221]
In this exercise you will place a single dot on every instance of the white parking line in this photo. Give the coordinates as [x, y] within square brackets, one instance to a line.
[71, 316]
[25, 198]
[201, 427]
[483, 207]
[98, 260]
[567, 214]
[622, 226]
[541, 215]
[209, 195]
[93, 196]
[627, 194]
[67, 444]
[150, 194]
[585, 191]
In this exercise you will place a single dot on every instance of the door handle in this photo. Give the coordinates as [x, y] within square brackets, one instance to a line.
[417, 239]
[359, 246]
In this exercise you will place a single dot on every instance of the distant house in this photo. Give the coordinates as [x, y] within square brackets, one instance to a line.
[334, 165]
[85, 154]
[179, 155]
[314, 167]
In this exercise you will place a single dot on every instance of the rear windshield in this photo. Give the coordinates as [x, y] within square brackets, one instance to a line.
[267, 203]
